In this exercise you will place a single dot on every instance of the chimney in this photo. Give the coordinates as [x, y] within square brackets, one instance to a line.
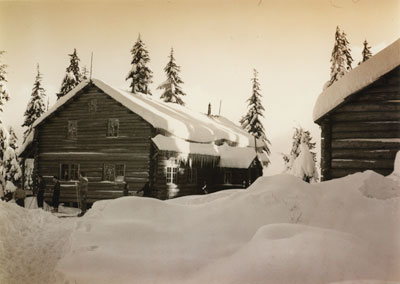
[209, 109]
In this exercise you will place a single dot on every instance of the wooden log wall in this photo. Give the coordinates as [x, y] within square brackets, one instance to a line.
[162, 190]
[211, 175]
[364, 133]
[92, 147]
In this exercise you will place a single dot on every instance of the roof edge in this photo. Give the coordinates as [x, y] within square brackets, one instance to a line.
[370, 71]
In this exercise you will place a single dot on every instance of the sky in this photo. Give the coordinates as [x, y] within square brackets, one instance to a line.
[216, 43]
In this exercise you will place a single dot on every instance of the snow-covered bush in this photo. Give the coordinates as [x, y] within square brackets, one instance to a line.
[10, 169]
[301, 162]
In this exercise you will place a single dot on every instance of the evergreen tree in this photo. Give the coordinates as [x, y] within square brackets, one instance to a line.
[11, 169]
[3, 147]
[346, 52]
[3, 88]
[13, 140]
[366, 53]
[72, 76]
[36, 106]
[140, 74]
[172, 90]
[341, 58]
[251, 122]
[301, 162]
[4, 136]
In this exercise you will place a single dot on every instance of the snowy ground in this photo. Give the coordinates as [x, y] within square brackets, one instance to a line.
[280, 230]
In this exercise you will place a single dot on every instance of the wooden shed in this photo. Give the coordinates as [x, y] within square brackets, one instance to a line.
[120, 138]
[359, 117]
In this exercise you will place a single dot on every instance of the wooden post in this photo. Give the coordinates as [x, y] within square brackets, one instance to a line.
[326, 149]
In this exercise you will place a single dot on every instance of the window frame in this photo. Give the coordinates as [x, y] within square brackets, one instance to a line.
[92, 105]
[113, 176]
[72, 130]
[72, 169]
[227, 177]
[113, 127]
[172, 175]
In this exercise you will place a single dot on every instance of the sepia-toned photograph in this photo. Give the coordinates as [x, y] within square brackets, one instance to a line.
[200, 142]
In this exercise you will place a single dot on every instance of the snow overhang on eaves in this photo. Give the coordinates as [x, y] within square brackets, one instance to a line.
[357, 79]
[229, 157]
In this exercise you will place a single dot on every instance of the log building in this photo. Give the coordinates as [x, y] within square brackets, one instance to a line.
[359, 117]
[118, 138]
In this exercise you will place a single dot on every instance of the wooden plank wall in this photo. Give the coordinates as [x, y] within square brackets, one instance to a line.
[93, 148]
[365, 130]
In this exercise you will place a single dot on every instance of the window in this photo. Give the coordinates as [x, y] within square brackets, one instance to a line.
[227, 177]
[69, 171]
[92, 105]
[119, 172]
[191, 175]
[113, 127]
[114, 172]
[172, 175]
[72, 129]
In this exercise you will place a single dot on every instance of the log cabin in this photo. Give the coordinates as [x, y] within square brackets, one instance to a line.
[359, 116]
[124, 140]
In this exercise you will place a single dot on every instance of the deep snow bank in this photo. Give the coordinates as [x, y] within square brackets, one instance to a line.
[31, 243]
[280, 230]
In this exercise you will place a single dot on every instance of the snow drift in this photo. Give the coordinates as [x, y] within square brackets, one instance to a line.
[280, 230]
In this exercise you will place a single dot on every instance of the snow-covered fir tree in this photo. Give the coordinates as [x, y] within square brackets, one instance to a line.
[36, 105]
[346, 51]
[341, 58]
[4, 136]
[140, 74]
[172, 90]
[3, 86]
[251, 122]
[301, 162]
[10, 172]
[13, 139]
[11, 169]
[72, 76]
[366, 53]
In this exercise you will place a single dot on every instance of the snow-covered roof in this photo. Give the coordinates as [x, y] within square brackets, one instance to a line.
[230, 157]
[27, 142]
[357, 79]
[177, 120]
